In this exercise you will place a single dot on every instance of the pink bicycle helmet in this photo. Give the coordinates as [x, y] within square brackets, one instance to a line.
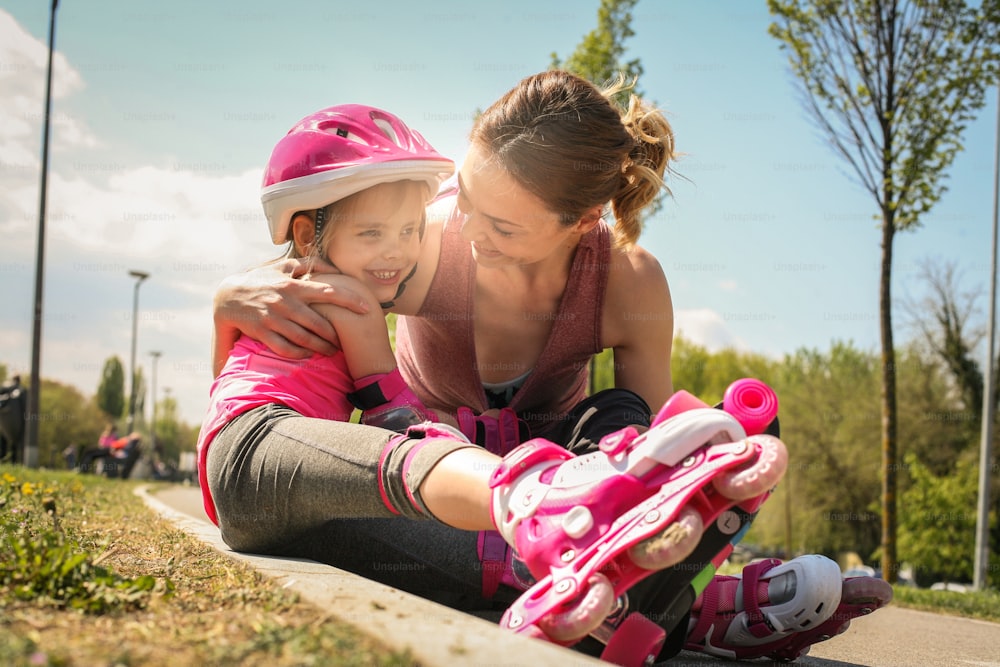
[339, 151]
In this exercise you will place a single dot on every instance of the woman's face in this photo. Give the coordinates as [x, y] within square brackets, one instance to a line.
[506, 224]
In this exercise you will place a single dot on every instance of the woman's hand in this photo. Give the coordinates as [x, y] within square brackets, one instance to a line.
[273, 304]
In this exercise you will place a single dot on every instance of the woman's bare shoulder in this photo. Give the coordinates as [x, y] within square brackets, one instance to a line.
[637, 292]
[636, 269]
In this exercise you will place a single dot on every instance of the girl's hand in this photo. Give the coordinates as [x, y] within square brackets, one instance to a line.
[273, 304]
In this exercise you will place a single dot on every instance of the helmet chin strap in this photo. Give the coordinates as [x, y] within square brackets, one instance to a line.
[399, 291]
[321, 221]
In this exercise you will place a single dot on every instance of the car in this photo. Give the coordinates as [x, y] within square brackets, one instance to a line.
[859, 571]
[951, 586]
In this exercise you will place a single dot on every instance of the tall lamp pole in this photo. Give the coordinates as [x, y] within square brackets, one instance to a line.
[31, 439]
[139, 277]
[980, 578]
[152, 429]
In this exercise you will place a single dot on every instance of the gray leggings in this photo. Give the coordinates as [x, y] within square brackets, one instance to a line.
[287, 485]
[284, 484]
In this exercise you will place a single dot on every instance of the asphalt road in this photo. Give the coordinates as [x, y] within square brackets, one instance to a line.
[891, 637]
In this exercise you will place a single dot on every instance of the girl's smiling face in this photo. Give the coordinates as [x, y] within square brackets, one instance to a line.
[375, 237]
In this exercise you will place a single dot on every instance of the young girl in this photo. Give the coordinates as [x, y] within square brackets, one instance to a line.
[365, 216]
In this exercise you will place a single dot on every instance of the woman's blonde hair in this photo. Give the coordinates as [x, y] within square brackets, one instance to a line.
[570, 144]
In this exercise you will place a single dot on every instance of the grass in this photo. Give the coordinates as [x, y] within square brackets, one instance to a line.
[984, 605]
[91, 576]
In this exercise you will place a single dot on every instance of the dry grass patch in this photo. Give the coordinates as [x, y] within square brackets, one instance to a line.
[165, 598]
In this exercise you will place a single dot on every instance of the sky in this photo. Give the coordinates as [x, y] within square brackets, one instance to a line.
[164, 113]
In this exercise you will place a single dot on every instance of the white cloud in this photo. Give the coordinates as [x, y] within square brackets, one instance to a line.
[707, 328]
[186, 225]
[24, 62]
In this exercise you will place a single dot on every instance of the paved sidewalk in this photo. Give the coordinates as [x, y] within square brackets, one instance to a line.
[435, 635]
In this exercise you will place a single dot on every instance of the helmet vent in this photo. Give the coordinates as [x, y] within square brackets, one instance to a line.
[387, 129]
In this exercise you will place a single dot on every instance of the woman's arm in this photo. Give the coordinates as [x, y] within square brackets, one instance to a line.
[271, 304]
[639, 325]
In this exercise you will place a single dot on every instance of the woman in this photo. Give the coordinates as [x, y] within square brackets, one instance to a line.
[521, 280]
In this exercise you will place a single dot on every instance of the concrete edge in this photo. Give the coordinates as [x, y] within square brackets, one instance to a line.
[435, 635]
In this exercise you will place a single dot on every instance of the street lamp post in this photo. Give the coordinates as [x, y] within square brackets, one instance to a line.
[139, 277]
[980, 572]
[152, 429]
[30, 458]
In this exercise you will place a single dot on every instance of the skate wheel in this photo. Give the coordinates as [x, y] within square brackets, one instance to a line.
[757, 477]
[866, 593]
[672, 545]
[637, 641]
[588, 611]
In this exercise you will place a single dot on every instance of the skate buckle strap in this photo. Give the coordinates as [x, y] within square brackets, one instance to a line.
[378, 392]
[525, 456]
[706, 614]
[511, 431]
[467, 423]
[615, 443]
[499, 435]
[756, 621]
[493, 555]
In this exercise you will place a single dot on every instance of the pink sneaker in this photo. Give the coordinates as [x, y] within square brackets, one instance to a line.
[778, 610]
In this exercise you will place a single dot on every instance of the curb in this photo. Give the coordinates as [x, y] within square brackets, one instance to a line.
[435, 635]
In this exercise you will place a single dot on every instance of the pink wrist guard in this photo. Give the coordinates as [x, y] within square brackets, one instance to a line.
[387, 402]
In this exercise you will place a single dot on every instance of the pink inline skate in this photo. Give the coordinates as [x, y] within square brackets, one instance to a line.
[590, 527]
[768, 611]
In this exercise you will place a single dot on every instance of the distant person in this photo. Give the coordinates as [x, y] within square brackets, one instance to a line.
[104, 449]
[13, 407]
[125, 452]
[70, 455]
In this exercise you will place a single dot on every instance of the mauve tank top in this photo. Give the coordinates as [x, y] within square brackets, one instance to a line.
[436, 348]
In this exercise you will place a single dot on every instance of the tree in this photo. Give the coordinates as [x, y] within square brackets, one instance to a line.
[942, 319]
[598, 58]
[707, 375]
[827, 418]
[937, 533]
[891, 84]
[65, 417]
[111, 390]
